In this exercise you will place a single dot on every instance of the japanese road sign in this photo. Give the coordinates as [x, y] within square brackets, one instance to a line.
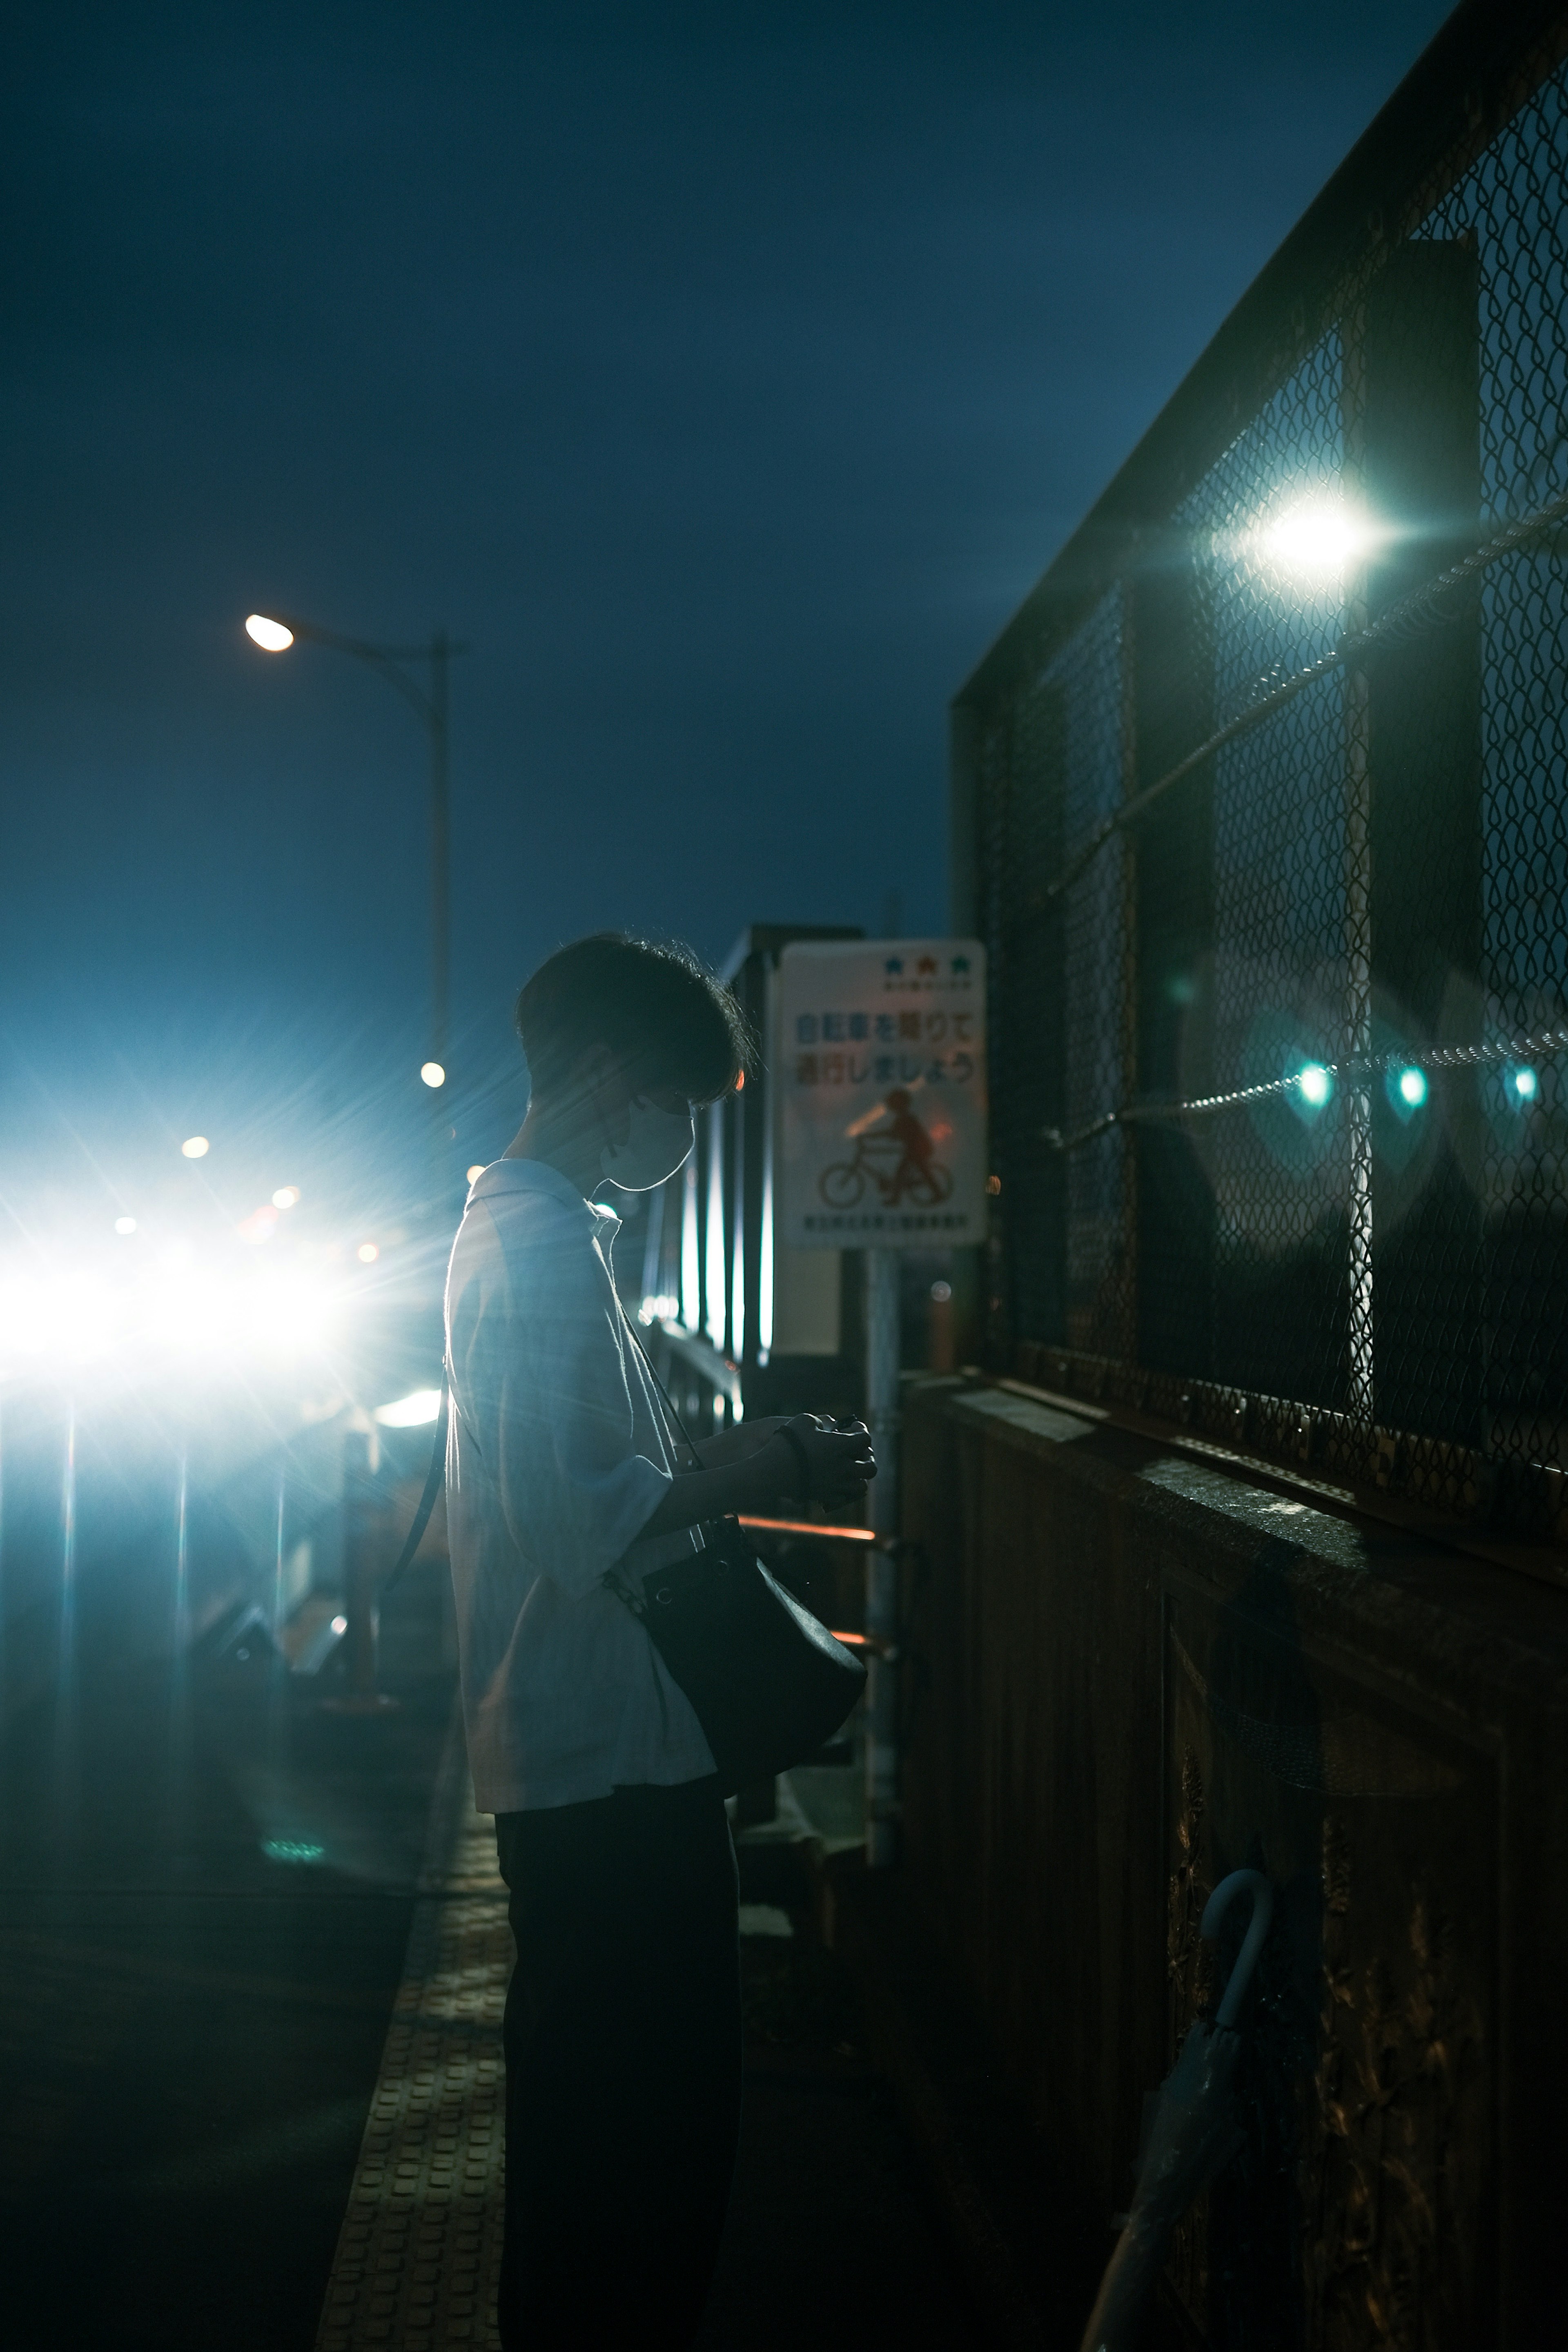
[880, 1071]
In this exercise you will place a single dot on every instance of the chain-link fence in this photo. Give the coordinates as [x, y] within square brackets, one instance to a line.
[1267, 791]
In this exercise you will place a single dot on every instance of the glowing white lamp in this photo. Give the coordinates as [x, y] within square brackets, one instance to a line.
[1316, 1084]
[196, 1147]
[410, 1412]
[433, 1074]
[270, 635]
[1318, 538]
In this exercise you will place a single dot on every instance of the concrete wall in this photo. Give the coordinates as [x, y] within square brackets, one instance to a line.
[1135, 1666]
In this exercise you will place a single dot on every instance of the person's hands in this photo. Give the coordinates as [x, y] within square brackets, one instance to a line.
[831, 1465]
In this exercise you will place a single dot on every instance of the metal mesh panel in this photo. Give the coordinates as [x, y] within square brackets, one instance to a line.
[1273, 860]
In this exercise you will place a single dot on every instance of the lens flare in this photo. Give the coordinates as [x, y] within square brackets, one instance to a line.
[196, 1147]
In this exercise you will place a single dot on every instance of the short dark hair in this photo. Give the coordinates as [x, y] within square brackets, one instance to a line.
[652, 1005]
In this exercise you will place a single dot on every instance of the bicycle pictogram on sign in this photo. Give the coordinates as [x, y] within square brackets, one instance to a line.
[895, 1158]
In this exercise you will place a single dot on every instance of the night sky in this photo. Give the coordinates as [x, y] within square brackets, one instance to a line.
[724, 375]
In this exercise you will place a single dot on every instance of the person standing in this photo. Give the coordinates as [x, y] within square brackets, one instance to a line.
[622, 2026]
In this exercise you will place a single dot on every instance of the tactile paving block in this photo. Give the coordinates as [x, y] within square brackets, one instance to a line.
[419, 2252]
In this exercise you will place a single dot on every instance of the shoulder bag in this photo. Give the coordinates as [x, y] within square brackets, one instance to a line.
[766, 1680]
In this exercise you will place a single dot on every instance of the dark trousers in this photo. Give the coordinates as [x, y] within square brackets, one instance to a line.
[622, 2067]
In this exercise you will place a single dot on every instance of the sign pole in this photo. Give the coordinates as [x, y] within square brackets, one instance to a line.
[879, 1079]
[882, 1352]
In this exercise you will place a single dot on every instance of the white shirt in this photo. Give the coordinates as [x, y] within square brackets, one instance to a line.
[556, 1457]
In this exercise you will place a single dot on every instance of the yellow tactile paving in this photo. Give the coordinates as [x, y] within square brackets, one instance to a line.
[420, 2246]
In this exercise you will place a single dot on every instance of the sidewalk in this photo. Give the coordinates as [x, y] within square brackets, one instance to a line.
[832, 2241]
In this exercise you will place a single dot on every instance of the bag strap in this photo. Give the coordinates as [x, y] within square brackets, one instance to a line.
[801, 1459]
[434, 1480]
[664, 1392]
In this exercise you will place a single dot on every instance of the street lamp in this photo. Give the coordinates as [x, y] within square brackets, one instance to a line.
[399, 665]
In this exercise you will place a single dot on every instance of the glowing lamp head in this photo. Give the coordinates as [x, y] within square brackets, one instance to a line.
[1316, 1084]
[433, 1074]
[413, 1412]
[1413, 1086]
[270, 635]
[196, 1147]
[1318, 538]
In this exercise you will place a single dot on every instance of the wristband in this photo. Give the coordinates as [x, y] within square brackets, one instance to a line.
[803, 1460]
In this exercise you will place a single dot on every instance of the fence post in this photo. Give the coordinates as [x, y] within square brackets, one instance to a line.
[363, 1565]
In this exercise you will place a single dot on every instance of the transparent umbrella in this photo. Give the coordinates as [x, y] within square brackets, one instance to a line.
[1193, 2131]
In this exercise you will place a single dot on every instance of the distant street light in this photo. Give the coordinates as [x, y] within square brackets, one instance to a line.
[273, 635]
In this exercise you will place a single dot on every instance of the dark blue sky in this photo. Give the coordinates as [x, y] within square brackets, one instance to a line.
[724, 374]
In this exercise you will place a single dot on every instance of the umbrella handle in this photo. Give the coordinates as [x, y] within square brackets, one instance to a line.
[1251, 1882]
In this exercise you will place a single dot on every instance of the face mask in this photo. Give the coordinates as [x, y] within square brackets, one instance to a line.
[658, 1143]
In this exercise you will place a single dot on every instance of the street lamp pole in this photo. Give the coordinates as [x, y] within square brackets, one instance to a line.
[440, 853]
[401, 666]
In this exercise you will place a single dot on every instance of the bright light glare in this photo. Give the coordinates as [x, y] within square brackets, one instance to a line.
[125, 1224]
[61, 1320]
[270, 635]
[196, 1147]
[1316, 1084]
[433, 1074]
[340, 1625]
[1413, 1086]
[1526, 1084]
[367, 1253]
[476, 1172]
[408, 1411]
[286, 1197]
[1318, 538]
[259, 1227]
